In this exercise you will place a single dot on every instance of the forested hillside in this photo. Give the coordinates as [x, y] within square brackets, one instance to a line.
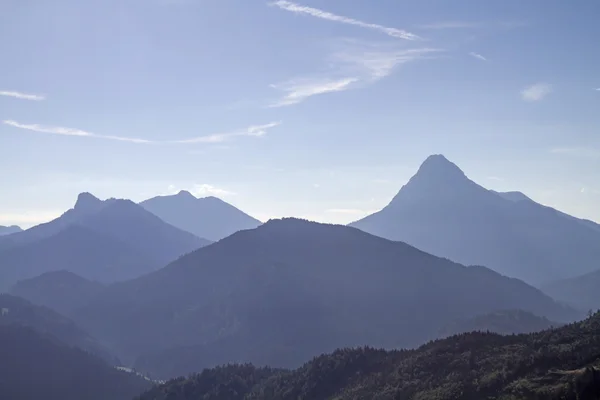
[550, 365]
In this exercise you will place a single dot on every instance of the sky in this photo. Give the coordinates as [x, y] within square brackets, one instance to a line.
[320, 109]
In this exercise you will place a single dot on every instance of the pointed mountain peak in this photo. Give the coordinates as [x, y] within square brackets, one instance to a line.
[185, 194]
[439, 167]
[87, 202]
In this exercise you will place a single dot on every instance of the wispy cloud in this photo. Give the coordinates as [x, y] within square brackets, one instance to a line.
[598, 89]
[299, 90]
[58, 130]
[317, 13]
[22, 96]
[536, 92]
[478, 56]
[584, 152]
[353, 65]
[254, 130]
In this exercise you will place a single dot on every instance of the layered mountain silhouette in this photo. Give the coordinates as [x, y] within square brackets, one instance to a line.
[62, 291]
[582, 291]
[290, 289]
[107, 241]
[443, 212]
[35, 365]
[208, 217]
[7, 230]
[18, 311]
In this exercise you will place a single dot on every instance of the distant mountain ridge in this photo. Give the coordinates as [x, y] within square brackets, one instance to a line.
[582, 291]
[62, 291]
[443, 212]
[7, 230]
[291, 289]
[208, 217]
[107, 241]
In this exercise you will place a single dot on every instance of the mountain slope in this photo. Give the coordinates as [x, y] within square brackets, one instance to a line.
[550, 365]
[581, 292]
[36, 366]
[7, 230]
[504, 322]
[442, 212]
[291, 289]
[143, 231]
[86, 205]
[208, 217]
[17, 311]
[62, 291]
[81, 250]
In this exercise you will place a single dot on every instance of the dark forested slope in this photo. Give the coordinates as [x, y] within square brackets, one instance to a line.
[17, 311]
[36, 366]
[551, 365]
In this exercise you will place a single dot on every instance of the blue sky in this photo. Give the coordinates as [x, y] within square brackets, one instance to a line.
[319, 108]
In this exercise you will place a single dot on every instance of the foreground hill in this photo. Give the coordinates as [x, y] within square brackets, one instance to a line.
[582, 292]
[208, 217]
[7, 230]
[36, 366]
[17, 311]
[107, 241]
[551, 365]
[444, 213]
[62, 291]
[290, 289]
[504, 322]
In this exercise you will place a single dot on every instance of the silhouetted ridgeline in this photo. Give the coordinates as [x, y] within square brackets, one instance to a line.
[207, 217]
[442, 212]
[549, 365]
[7, 230]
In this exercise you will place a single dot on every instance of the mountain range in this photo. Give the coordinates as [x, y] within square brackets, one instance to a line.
[107, 241]
[207, 217]
[7, 230]
[291, 289]
[443, 212]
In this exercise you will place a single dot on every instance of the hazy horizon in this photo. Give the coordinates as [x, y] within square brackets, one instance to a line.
[312, 109]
